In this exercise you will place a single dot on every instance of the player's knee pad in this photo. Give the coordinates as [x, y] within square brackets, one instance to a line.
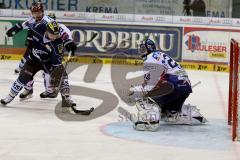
[148, 115]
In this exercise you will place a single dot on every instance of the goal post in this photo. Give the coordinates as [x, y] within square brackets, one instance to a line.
[233, 100]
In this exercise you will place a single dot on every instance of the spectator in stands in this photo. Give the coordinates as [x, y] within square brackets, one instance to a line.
[186, 8]
[195, 8]
[198, 8]
[2, 6]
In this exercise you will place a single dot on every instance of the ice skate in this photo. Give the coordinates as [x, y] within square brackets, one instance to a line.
[68, 104]
[7, 100]
[26, 94]
[47, 94]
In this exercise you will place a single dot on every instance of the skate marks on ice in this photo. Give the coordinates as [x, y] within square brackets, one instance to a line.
[108, 102]
[212, 136]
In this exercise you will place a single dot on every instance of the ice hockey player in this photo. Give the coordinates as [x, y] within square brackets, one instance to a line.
[47, 53]
[38, 16]
[166, 85]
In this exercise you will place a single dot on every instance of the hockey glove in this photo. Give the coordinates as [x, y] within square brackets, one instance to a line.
[15, 29]
[71, 47]
[136, 93]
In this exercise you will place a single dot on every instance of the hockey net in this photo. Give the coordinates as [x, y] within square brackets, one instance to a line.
[233, 101]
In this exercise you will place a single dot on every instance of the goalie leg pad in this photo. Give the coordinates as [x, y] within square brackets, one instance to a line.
[148, 116]
[146, 126]
[194, 114]
[188, 115]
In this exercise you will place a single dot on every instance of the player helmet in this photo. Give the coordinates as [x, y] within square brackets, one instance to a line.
[36, 7]
[37, 11]
[147, 47]
[53, 30]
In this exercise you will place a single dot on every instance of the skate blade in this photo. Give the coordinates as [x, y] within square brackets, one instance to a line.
[67, 110]
[3, 103]
[26, 98]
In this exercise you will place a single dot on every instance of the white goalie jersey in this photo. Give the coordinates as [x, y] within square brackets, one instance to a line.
[160, 67]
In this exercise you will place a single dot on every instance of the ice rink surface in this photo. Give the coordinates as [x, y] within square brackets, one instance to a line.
[30, 130]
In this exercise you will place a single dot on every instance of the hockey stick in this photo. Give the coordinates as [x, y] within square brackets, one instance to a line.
[70, 52]
[196, 84]
[114, 47]
[82, 112]
[77, 111]
[94, 35]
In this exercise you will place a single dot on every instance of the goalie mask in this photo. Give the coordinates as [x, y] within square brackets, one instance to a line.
[147, 47]
[37, 11]
[53, 30]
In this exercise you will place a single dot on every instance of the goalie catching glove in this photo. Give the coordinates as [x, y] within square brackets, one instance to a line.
[136, 93]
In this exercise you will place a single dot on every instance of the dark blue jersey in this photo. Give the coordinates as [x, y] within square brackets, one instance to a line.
[50, 52]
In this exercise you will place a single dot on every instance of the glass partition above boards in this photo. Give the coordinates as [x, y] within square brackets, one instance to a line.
[202, 8]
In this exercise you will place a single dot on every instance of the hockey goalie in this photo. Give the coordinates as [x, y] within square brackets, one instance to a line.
[162, 95]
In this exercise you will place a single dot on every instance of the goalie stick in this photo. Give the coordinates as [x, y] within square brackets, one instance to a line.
[196, 84]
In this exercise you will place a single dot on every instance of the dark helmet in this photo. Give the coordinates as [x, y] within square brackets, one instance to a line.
[53, 28]
[150, 45]
[52, 15]
[147, 47]
[36, 7]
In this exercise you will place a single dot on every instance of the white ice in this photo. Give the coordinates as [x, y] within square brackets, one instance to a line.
[30, 130]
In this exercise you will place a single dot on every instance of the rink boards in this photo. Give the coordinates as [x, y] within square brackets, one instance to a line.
[96, 60]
